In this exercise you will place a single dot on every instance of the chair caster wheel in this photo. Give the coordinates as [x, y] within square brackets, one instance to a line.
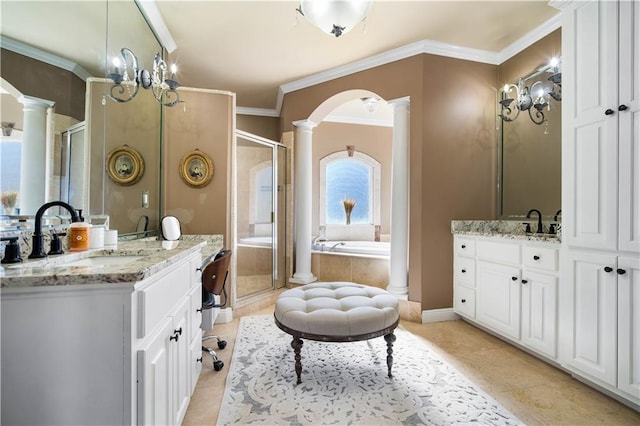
[217, 365]
[222, 344]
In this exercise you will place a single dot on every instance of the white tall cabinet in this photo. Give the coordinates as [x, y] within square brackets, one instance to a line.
[600, 291]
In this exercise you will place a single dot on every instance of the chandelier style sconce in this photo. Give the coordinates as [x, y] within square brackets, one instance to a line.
[535, 98]
[370, 104]
[128, 78]
[334, 17]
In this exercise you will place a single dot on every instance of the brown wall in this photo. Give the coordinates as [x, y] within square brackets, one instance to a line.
[207, 124]
[34, 78]
[374, 141]
[451, 147]
[267, 127]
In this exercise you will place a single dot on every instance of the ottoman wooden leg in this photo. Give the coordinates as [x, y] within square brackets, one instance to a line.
[390, 338]
[296, 344]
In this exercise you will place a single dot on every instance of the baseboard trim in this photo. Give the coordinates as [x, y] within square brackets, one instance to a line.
[437, 315]
[224, 316]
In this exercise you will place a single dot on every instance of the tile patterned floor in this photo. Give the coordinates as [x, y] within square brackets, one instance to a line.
[534, 391]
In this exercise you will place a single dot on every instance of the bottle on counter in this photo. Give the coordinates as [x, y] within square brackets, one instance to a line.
[79, 234]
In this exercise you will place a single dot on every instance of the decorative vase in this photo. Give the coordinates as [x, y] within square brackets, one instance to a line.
[348, 217]
[348, 208]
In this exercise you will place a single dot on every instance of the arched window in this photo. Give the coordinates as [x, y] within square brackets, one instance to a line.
[356, 178]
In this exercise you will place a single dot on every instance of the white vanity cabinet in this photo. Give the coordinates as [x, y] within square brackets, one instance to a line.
[601, 117]
[168, 329]
[515, 289]
[103, 352]
[600, 295]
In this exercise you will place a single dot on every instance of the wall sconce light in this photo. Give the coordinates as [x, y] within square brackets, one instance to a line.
[532, 98]
[370, 103]
[128, 78]
[335, 17]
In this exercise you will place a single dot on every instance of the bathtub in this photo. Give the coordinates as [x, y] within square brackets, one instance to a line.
[255, 241]
[364, 248]
[364, 262]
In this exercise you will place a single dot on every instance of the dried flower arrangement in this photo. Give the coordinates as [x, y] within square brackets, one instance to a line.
[8, 200]
[349, 204]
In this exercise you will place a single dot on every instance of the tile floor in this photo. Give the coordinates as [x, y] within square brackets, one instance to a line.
[537, 393]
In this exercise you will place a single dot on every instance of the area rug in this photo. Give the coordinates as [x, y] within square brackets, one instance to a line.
[347, 383]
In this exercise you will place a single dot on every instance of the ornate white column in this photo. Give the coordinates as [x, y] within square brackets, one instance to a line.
[399, 244]
[303, 186]
[33, 169]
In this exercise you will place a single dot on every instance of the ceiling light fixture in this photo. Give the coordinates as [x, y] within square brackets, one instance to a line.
[128, 78]
[537, 95]
[335, 17]
[370, 103]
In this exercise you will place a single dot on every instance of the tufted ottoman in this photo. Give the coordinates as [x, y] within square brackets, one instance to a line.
[337, 312]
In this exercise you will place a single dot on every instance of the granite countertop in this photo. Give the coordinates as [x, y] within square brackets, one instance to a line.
[508, 229]
[152, 256]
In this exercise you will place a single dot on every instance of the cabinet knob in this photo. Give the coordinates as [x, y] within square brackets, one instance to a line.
[199, 310]
[463, 246]
[608, 269]
[621, 271]
[464, 271]
[536, 257]
[514, 278]
[463, 300]
[622, 108]
[524, 281]
[174, 337]
[609, 112]
[178, 331]
[199, 359]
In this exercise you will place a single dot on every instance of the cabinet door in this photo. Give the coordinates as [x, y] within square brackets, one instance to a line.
[154, 377]
[181, 366]
[498, 298]
[539, 312]
[629, 124]
[629, 326]
[589, 302]
[590, 133]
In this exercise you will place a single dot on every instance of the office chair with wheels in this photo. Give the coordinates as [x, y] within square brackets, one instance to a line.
[214, 280]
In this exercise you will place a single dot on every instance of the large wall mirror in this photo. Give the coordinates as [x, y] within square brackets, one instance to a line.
[530, 138]
[58, 53]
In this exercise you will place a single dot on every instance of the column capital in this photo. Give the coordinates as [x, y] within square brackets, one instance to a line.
[404, 101]
[305, 124]
[35, 102]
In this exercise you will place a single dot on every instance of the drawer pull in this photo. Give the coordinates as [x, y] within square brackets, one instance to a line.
[621, 271]
[514, 278]
[464, 271]
[536, 257]
[524, 281]
[463, 300]
[608, 269]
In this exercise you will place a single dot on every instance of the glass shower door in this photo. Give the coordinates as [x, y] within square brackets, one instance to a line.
[255, 217]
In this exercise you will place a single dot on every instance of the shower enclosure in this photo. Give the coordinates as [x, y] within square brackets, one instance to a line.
[260, 215]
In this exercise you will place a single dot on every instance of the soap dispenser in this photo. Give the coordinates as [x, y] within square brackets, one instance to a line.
[79, 234]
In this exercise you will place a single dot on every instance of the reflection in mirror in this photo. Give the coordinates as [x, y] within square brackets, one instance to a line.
[52, 52]
[529, 121]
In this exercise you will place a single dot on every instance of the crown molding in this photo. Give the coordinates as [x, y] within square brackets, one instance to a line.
[528, 39]
[151, 13]
[261, 112]
[417, 48]
[43, 56]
